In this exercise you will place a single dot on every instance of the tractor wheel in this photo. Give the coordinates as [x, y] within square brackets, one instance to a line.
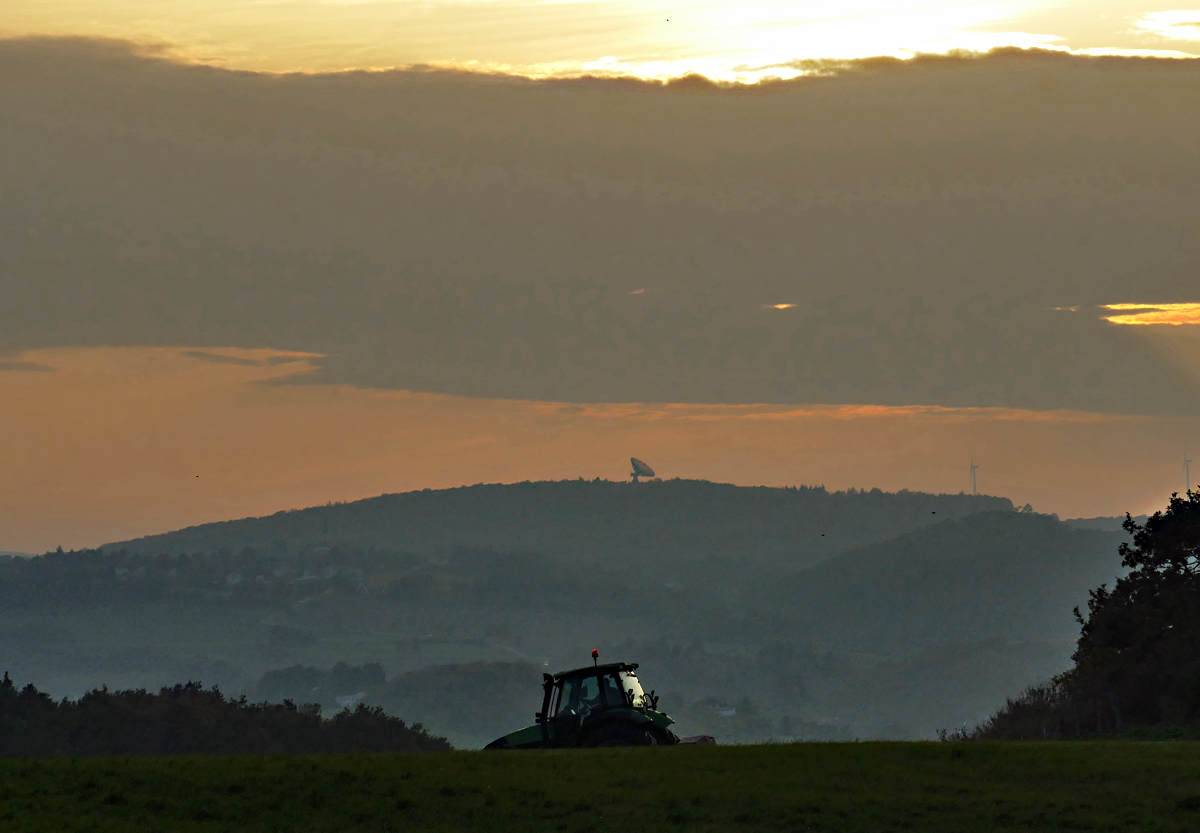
[619, 734]
[663, 737]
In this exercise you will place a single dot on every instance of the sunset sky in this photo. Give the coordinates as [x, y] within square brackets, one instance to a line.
[113, 443]
[721, 39]
[229, 293]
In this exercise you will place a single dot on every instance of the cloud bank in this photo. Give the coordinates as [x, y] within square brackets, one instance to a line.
[489, 236]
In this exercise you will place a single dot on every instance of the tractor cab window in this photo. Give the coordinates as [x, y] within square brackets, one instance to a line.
[579, 695]
[633, 689]
[614, 695]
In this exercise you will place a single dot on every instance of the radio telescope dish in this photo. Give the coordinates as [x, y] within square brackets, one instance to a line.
[640, 469]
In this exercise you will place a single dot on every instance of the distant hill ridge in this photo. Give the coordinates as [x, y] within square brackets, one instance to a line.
[1010, 574]
[614, 523]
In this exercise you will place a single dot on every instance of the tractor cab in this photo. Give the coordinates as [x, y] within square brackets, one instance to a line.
[601, 705]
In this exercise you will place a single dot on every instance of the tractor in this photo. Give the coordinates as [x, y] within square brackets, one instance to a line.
[601, 705]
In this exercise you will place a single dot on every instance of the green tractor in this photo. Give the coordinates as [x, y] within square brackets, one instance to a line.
[603, 705]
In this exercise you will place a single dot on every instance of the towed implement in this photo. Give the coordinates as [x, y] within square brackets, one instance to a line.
[603, 705]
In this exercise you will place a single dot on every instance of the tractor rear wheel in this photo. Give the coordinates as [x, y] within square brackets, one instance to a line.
[619, 734]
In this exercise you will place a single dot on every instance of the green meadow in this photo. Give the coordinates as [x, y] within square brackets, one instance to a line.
[1096, 785]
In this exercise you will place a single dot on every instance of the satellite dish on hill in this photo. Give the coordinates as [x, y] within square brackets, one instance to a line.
[640, 469]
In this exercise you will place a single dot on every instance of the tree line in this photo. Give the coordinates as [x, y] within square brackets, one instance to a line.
[186, 719]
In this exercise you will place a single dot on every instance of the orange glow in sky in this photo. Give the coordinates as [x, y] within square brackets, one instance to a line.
[649, 38]
[103, 444]
[1143, 314]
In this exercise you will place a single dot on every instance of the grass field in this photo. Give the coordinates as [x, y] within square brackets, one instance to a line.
[1103, 785]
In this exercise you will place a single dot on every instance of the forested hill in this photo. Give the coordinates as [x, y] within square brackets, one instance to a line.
[615, 523]
[999, 574]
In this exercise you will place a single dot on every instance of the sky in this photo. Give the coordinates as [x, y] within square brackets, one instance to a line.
[230, 291]
[646, 38]
[177, 437]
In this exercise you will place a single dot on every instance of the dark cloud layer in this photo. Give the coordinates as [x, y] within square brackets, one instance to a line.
[482, 235]
[25, 367]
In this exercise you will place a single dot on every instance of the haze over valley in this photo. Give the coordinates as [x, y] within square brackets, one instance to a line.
[758, 613]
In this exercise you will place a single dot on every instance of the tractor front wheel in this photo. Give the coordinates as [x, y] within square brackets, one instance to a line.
[619, 734]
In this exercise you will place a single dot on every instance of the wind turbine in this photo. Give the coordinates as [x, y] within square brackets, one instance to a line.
[1187, 471]
[974, 482]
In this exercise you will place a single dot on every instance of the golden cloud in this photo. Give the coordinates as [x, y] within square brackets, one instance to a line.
[1144, 314]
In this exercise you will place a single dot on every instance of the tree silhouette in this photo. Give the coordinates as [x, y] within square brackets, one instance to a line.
[188, 718]
[1140, 641]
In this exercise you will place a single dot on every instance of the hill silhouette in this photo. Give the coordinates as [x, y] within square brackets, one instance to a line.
[757, 612]
[1008, 574]
[656, 526]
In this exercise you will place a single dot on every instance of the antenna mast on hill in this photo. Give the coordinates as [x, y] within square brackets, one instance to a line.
[1187, 471]
[974, 482]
